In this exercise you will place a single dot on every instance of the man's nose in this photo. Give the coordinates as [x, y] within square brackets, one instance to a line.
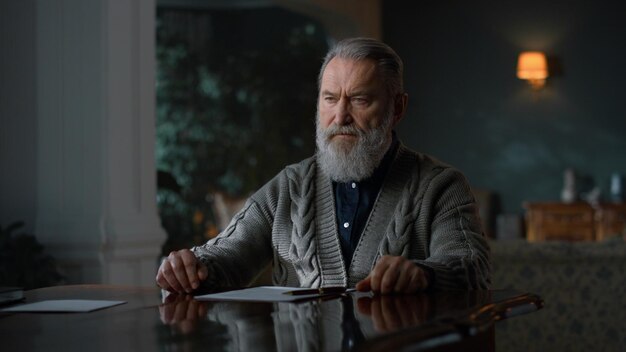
[342, 114]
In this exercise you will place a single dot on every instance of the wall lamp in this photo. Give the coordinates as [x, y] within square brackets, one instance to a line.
[533, 67]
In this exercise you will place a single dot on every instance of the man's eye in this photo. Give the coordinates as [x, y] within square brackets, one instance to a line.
[329, 99]
[358, 100]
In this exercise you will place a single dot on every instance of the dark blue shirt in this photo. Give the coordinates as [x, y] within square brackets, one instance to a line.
[354, 202]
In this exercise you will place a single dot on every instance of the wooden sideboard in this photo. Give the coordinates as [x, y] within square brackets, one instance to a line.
[574, 221]
[610, 220]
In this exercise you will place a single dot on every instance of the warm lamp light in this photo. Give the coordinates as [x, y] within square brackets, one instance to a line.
[533, 66]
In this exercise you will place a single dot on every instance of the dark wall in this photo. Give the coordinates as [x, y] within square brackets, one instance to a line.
[467, 107]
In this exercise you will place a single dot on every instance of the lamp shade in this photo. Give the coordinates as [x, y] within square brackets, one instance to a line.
[532, 65]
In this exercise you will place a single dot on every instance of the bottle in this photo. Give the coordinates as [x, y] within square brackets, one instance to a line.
[617, 188]
[568, 193]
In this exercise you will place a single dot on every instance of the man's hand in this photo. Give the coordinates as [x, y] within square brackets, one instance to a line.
[181, 272]
[394, 274]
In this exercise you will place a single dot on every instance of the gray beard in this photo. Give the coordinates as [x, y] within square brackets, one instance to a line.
[344, 161]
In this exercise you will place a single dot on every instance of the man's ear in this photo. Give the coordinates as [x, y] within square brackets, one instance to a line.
[399, 107]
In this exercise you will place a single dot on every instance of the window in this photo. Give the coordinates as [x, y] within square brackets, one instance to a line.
[236, 100]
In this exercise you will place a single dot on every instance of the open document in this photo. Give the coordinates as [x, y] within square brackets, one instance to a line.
[273, 294]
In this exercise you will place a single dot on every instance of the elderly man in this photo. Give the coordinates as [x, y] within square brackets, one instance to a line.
[364, 212]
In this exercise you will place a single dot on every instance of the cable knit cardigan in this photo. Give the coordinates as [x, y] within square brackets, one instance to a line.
[425, 211]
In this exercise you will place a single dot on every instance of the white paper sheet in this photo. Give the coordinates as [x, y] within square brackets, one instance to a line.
[260, 294]
[63, 306]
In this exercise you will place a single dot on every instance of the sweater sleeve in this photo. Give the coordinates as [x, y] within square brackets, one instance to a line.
[241, 251]
[459, 255]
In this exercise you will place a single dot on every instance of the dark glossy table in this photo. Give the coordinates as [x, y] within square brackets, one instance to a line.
[355, 321]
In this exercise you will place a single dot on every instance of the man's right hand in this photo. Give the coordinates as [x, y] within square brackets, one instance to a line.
[181, 272]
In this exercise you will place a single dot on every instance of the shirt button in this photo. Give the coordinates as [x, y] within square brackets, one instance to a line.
[353, 185]
[346, 225]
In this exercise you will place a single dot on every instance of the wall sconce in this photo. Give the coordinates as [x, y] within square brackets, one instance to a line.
[533, 66]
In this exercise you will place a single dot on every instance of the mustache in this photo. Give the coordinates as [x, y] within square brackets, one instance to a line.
[334, 130]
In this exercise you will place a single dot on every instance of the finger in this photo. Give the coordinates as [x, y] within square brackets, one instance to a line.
[389, 278]
[203, 271]
[418, 281]
[377, 274]
[161, 281]
[404, 278]
[364, 285]
[189, 262]
[170, 278]
[413, 285]
[178, 267]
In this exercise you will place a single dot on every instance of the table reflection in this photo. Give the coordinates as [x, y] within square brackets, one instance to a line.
[390, 313]
[182, 312]
[355, 321]
[343, 322]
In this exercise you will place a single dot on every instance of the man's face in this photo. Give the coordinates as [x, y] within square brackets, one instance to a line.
[355, 120]
[352, 93]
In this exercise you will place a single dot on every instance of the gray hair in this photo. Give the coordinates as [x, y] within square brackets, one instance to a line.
[386, 59]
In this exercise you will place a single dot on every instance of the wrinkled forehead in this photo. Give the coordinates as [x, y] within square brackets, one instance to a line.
[351, 74]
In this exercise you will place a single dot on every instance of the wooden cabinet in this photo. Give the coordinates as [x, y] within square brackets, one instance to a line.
[610, 220]
[573, 222]
[559, 221]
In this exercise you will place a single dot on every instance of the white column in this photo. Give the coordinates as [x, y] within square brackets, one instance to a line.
[96, 186]
[18, 123]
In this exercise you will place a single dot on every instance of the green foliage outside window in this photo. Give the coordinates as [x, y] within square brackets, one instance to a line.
[236, 97]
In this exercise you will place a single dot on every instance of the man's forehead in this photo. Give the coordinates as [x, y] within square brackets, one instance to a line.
[340, 71]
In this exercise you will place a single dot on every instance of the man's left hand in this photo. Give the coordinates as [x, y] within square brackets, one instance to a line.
[394, 274]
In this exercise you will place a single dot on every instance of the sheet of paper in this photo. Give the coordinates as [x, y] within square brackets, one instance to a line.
[63, 306]
[259, 294]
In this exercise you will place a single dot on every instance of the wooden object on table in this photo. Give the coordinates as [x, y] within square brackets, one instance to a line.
[577, 221]
[559, 221]
[610, 220]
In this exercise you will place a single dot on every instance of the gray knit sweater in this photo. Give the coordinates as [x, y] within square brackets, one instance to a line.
[425, 211]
